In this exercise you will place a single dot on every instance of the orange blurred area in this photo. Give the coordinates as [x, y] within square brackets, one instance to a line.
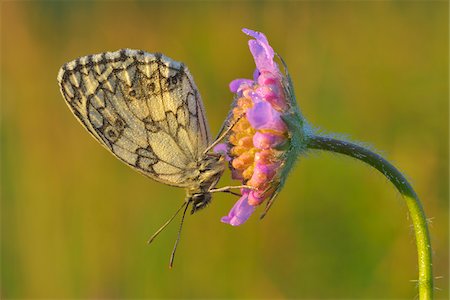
[75, 220]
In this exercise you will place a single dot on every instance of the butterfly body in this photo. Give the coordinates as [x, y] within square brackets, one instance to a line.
[146, 110]
[207, 174]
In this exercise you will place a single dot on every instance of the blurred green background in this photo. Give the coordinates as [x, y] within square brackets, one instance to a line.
[75, 220]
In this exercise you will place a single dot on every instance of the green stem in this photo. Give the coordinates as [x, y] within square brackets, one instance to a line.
[425, 282]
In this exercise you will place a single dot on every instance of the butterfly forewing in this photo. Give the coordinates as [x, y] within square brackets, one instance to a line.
[143, 107]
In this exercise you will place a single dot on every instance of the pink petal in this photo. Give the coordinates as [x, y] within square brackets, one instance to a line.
[222, 149]
[271, 90]
[238, 84]
[267, 140]
[263, 116]
[254, 96]
[261, 51]
[255, 198]
[264, 157]
[256, 74]
[257, 35]
[240, 212]
[262, 175]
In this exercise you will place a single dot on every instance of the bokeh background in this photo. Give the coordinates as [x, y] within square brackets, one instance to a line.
[75, 220]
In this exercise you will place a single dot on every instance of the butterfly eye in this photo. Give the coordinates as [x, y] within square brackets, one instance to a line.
[200, 201]
[174, 80]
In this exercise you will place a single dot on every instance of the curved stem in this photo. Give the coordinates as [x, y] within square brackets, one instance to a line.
[425, 282]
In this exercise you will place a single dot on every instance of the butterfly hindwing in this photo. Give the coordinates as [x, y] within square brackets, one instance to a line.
[143, 107]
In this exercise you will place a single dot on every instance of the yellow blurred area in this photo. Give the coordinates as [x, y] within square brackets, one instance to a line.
[75, 220]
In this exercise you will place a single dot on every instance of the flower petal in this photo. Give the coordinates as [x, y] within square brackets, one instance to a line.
[250, 93]
[264, 157]
[262, 175]
[261, 51]
[240, 212]
[256, 74]
[269, 87]
[267, 140]
[238, 84]
[263, 116]
[222, 149]
[257, 35]
[255, 198]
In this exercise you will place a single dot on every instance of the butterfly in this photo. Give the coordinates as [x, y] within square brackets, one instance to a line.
[146, 110]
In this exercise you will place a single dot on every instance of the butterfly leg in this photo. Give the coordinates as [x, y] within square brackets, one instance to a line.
[223, 135]
[233, 193]
[226, 189]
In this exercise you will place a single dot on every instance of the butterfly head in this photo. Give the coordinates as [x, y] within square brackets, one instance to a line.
[199, 201]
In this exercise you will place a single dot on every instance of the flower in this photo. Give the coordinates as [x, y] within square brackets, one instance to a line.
[261, 140]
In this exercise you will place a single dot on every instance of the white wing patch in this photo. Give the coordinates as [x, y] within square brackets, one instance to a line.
[143, 107]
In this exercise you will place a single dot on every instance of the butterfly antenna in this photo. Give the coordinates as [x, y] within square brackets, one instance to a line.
[167, 223]
[172, 256]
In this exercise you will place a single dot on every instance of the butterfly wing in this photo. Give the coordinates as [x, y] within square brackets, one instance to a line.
[143, 107]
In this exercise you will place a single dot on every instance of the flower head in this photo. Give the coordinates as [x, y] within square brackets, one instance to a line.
[261, 146]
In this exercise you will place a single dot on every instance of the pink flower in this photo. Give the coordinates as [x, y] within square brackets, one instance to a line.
[255, 140]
